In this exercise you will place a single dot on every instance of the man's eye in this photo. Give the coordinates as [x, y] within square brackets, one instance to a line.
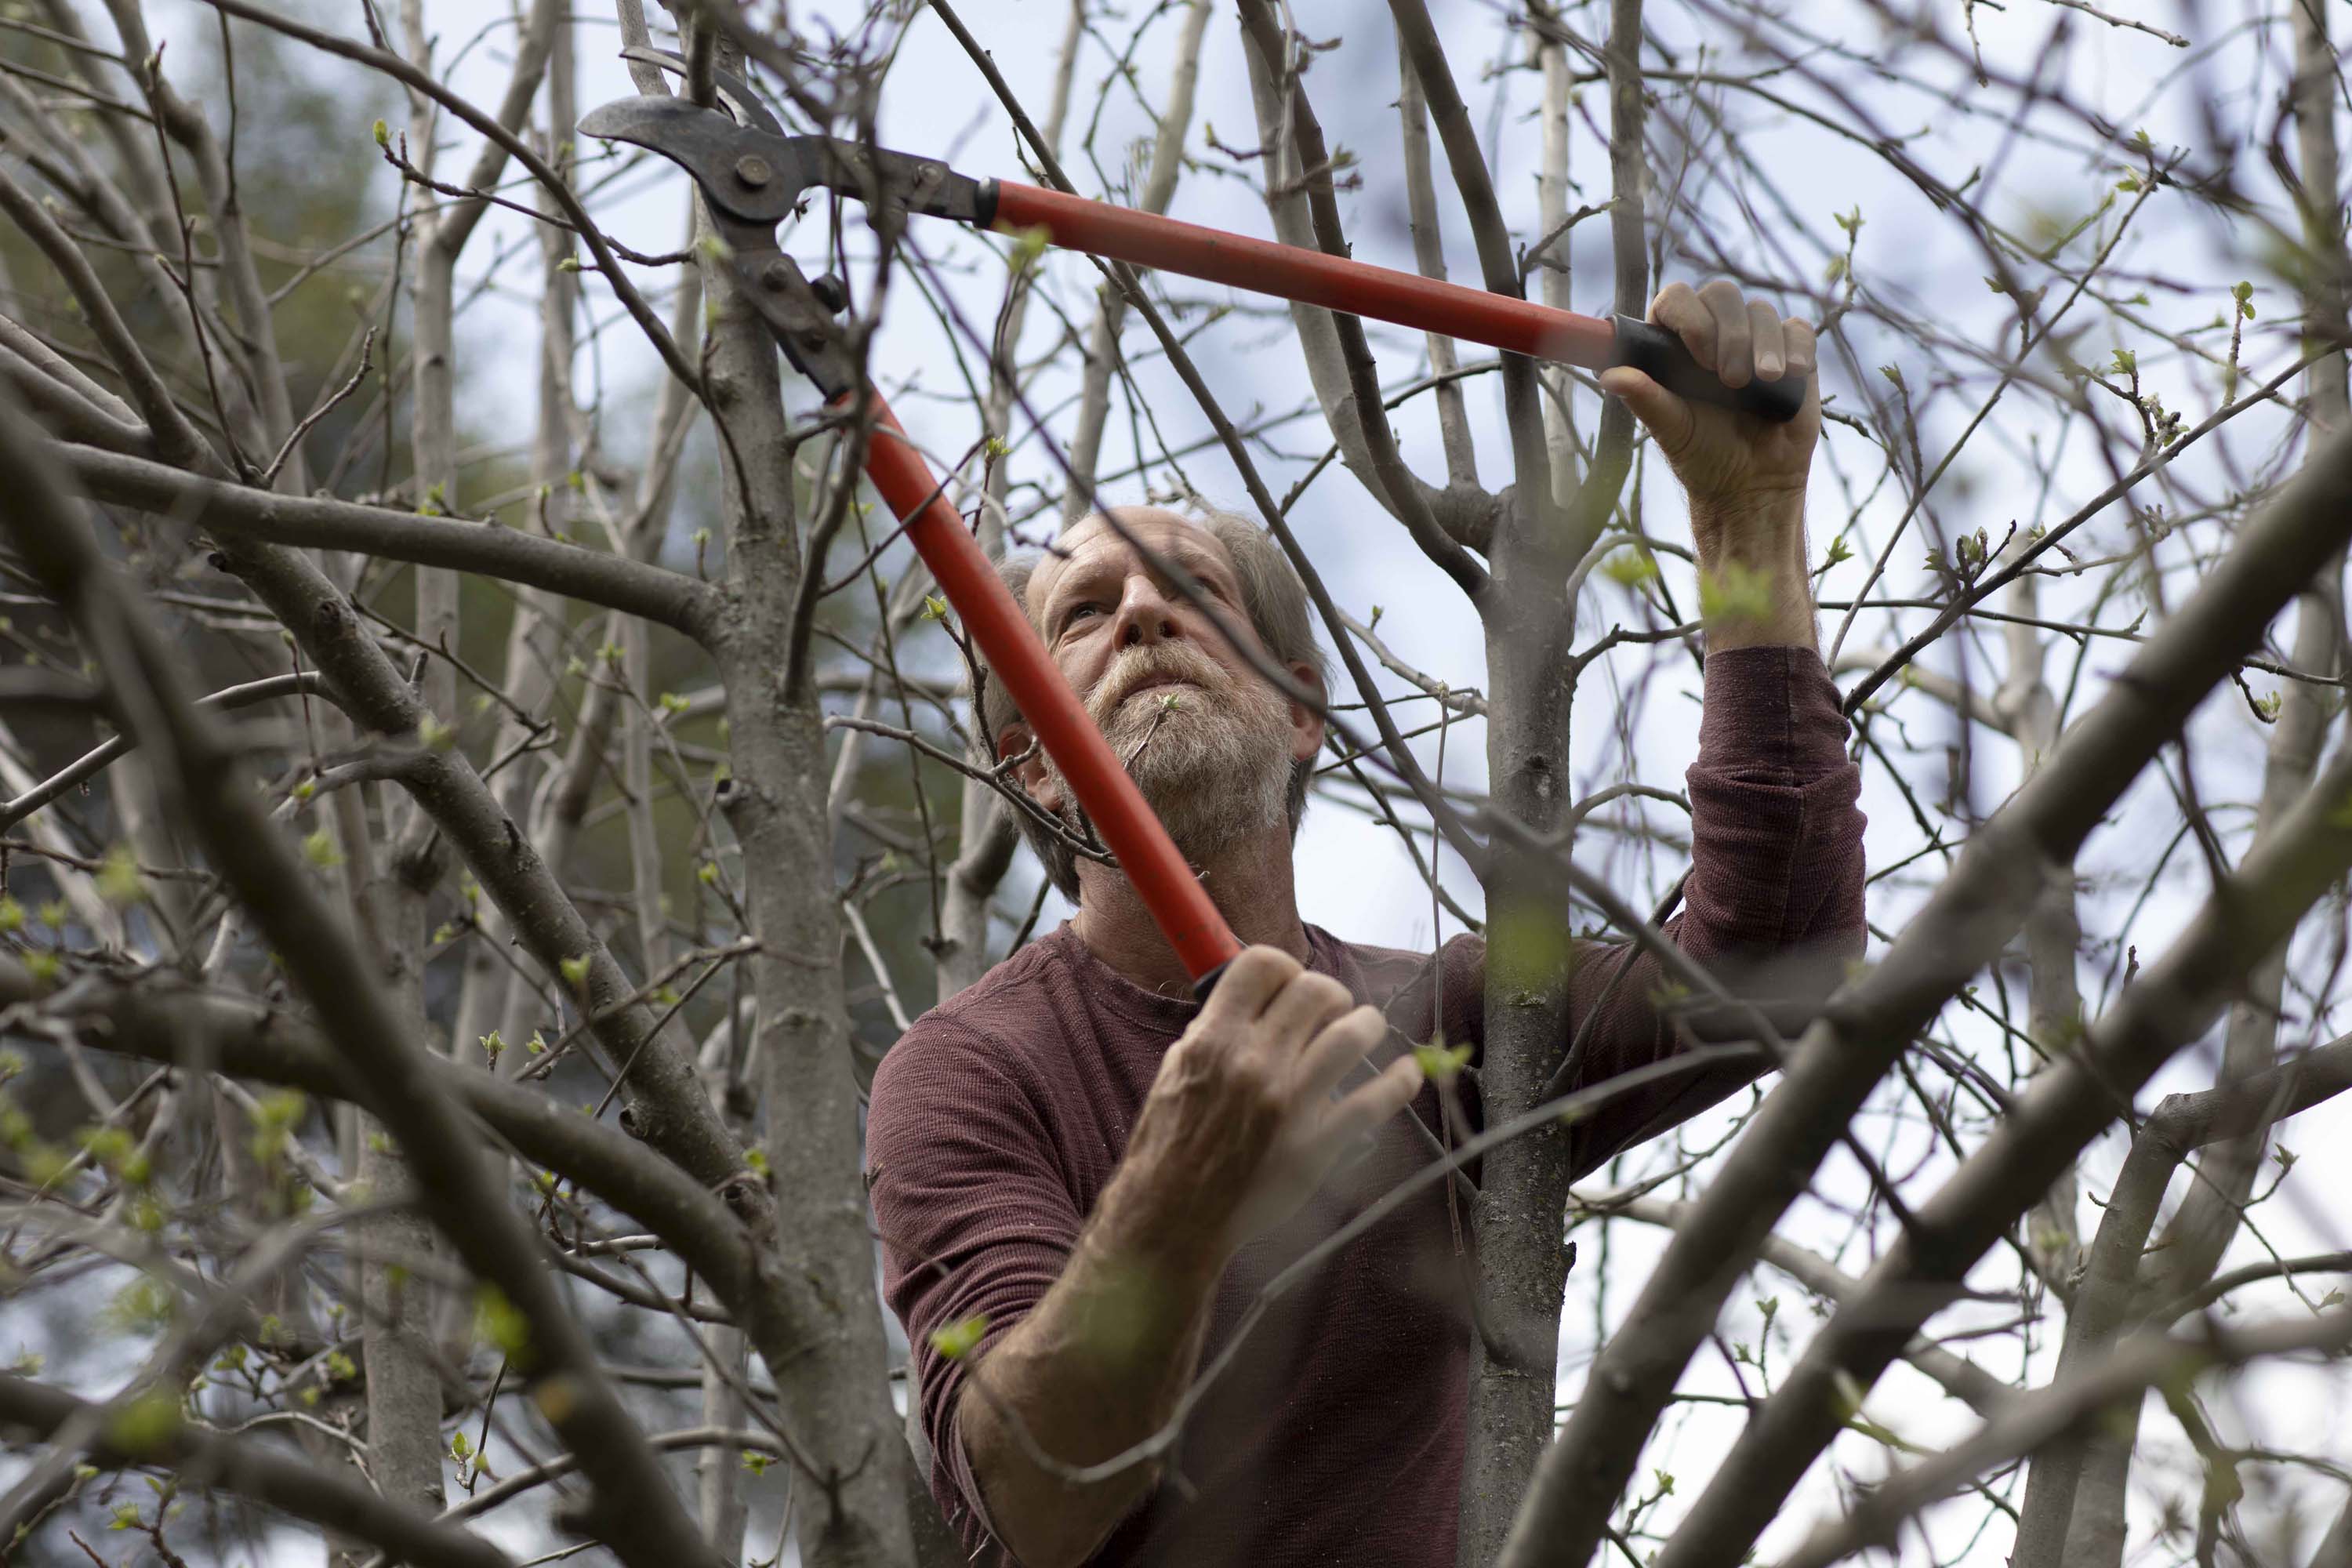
[1078, 612]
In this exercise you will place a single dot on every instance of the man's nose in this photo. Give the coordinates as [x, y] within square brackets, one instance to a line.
[1145, 615]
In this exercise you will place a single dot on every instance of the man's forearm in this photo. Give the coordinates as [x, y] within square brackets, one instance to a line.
[1097, 1367]
[1762, 591]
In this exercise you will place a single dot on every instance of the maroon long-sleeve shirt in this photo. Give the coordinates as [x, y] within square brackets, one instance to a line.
[1336, 1434]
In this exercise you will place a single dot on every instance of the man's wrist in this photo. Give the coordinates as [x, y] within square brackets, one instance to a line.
[1155, 1225]
[1752, 559]
[1759, 531]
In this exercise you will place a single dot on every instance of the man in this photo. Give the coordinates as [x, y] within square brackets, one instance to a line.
[1089, 1181]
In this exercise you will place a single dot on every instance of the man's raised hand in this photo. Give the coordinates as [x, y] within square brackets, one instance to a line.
[1728, 460]
[1745, 476]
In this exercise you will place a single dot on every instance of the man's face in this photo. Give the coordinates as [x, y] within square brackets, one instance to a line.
[1209, 742]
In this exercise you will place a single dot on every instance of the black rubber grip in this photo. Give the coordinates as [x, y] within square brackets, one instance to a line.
[1208, 982]
[1660, 355]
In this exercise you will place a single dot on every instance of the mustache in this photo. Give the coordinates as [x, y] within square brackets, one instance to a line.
[1133, 667]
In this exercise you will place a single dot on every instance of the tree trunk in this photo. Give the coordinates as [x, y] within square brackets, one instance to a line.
[397, 1329]
[1519, 1217]
[1519, 1220]
[853, 1512]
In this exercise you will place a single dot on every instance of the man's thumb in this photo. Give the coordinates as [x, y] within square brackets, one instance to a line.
[1666, 417]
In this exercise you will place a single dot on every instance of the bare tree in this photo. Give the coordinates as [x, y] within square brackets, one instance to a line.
[463, 862]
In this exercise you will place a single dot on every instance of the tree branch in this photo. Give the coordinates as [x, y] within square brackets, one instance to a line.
[1983, 587]
[164, 1018]
[1841, 1057]
[2111, 1284]
[1964, 1379]
[639, 1513]
[337, 1502]
[418, 81]
[1429, 257]
[170, 429]
[64, 410]
[94, 760]
[2064, 1407]
[817, 1321]
[1539, 522]
[1628, 170]
[2248, 916]
[615, 581]
[256, 340]
[1309, 165]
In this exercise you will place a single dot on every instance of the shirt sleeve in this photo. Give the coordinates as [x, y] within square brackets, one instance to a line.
[1772, 905]
[975, 1222]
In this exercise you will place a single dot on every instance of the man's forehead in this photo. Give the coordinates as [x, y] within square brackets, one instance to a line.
[1092, 540]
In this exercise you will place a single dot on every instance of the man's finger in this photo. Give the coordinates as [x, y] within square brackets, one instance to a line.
[1345, 1041]
[1664, 415]
[1764, 334]
[1374, 1103]
[1248, 984]
[1304, 1006]
[1799, 338]
[1681, 311]
[1735, 361]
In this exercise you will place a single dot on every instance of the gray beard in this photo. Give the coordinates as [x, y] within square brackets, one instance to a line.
[1215, 767]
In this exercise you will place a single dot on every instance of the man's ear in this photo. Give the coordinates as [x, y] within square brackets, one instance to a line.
[1307, 725]
[1011, 741]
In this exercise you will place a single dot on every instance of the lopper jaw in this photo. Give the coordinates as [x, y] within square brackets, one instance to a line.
[759, 176]
[748, 183]
[748, 168]
[752, 176]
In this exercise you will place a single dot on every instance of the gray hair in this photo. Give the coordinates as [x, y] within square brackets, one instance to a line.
[1273, 597]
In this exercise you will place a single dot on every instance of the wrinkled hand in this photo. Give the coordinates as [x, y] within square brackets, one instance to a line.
[1242, 1115]
[1732, 463]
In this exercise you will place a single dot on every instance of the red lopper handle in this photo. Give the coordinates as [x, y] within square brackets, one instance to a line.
[1310, 277]
[1147, 855]
[1407, 299]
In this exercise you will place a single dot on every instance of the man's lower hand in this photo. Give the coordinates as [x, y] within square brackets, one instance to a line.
[1241, 1117]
